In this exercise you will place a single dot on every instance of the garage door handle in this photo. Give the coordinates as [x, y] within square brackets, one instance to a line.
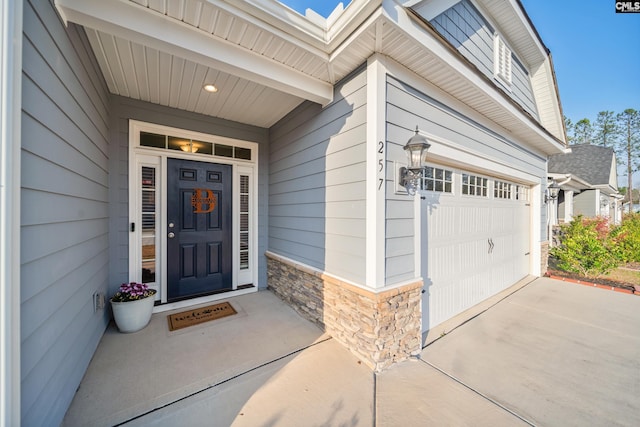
[491, 245]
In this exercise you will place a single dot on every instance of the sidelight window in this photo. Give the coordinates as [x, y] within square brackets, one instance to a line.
[149, 220]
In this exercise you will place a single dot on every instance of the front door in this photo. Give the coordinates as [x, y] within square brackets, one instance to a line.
[199, 243]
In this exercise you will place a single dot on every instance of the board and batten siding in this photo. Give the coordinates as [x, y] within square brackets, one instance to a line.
[469, 32]
[64, 212]
[317, 194]
[407, 107]
[125, 109]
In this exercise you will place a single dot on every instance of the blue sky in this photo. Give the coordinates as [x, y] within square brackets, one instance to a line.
[596, 52]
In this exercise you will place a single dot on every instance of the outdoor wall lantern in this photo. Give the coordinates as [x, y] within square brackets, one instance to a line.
[416, 149]
[552, 192]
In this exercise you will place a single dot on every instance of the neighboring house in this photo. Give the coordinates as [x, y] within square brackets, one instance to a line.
[286, 177]
[587, 177]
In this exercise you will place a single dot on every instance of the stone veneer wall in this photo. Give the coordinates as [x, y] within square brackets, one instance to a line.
[544, 257]
[380, 328]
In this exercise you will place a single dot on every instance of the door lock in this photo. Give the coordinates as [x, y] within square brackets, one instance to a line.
[171, 235]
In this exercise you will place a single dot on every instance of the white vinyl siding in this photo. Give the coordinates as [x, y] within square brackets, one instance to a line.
[65, 211]
[317, 207]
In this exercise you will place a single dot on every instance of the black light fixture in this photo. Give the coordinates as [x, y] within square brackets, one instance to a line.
[552, 192]
[416, 149]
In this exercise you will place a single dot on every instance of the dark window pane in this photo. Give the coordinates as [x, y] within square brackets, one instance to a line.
[223, 150]
[152, 140]
[243, 153]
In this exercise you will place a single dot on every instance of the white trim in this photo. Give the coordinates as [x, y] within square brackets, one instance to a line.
[134, 22]
[375, 203]
[448, 153]
[203, 300]
[502, 61]
[536, 240]
[141, 155]
[413, 28]
[10, 147]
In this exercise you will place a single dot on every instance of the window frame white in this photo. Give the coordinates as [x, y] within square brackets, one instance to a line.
[476, 177]
[502, 61]
[424, 179]
[157, 157]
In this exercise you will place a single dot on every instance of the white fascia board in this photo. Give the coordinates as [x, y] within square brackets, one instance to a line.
[530, 30]
[413, 28]
[11, 16]
[351, 19]
[376, 189]
[130, 21]
[276, 14]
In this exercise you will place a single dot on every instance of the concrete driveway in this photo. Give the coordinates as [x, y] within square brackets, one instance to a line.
[551, 354]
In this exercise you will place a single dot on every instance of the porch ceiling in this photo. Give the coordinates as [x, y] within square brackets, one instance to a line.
[266, 59]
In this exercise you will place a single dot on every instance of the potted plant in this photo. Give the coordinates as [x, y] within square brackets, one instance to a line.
[132, 306]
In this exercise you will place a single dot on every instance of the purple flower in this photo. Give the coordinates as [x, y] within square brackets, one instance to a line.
[132, 291]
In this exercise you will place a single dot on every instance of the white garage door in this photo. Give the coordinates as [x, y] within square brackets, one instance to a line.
[475, 240]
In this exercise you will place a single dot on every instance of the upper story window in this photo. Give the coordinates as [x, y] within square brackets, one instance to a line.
[501, 60]
[436, 179]
[473, 185]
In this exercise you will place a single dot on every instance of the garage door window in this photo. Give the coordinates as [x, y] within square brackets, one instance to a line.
[436, 179]
[522, 193]
[473, 185]
[502, 190]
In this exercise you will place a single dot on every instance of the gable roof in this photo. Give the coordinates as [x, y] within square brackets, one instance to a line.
[592, 163]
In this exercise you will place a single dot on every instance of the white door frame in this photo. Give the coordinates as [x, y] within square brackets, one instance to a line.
[157, 157]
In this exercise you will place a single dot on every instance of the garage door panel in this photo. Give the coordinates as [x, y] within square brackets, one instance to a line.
[475, 247]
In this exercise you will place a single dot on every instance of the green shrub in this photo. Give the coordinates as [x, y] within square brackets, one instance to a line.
[587, 247]
[627, 236]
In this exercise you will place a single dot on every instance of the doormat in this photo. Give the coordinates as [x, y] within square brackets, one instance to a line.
[199, 315]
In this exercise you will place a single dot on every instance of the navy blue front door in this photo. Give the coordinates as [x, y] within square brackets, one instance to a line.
[199, 241]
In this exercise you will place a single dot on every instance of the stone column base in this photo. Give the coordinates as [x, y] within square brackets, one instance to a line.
[380, 328]
[544, 257]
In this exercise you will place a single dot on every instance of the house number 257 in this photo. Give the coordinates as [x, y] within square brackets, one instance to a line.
[380, 165]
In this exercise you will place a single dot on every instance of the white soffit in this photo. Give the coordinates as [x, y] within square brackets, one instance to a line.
[141, 72]
[193, 40]
[267, 59]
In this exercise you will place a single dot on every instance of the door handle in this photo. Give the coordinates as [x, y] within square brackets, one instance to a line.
[171, 235]
[491, 245]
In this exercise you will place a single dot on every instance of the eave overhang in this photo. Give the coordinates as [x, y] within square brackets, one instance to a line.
[277, 58]
[131, 21]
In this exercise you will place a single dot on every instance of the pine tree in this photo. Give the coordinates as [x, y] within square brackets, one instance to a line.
[583, 132]
[568, 125]
[606, 129]
[629, 144]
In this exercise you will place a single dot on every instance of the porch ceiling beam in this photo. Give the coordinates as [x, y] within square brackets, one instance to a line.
[130, 21]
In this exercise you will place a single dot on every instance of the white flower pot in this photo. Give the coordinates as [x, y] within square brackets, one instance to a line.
[131, 316]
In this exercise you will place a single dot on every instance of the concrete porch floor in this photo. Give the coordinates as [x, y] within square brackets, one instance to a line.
[543, 353]
[145, 377]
